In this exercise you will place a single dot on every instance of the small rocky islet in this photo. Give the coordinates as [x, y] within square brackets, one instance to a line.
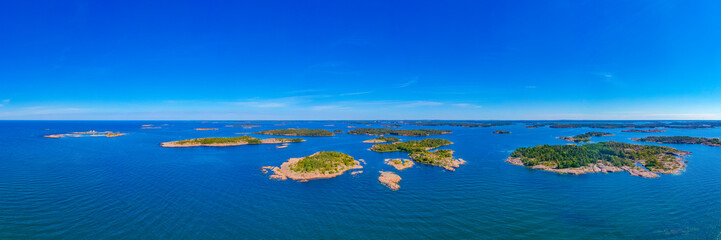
[91, 133]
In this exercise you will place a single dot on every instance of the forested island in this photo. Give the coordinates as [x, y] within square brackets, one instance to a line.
[501, 132]
[586, 137]
[324, 164]
[601, 157]
[304, 132]
[382, 140]
[644, 131]
[337, 131]
[91, 133]
[419, 151]
[392, 125]
[411, 146]
[714, 142]
[401, 132]
[228, 141]
[441, 158]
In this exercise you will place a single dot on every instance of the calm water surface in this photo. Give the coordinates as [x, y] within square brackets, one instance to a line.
[131, 188]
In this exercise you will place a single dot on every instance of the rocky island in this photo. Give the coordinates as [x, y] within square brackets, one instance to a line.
[324, 164]
[92, 133]
[401, 132]
[390, 180]
[586, 137]
[399, 163]
[206, 129]
[228, 141]
[411, 146]
[713, 142]
[382, 140]
[419, 151]
[639, 160]
[440, 158]
[501, 132]
[304, 132]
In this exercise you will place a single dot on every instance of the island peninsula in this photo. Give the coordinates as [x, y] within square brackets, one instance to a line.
[324, 164]
[228, 141]
[639, 160]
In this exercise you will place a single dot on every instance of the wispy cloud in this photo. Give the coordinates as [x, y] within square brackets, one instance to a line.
[408, 83]
[355, 93]
[420, 104]
[3, 102]
[332, 67]
[465, 105]
[41, 110]
[262, 104]
[329, 107]
[307, 90]
[268, 103]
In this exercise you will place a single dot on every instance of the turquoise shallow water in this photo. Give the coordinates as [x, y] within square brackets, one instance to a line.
[131, 188]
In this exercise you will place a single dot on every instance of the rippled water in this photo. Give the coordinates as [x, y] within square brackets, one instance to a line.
[131, 188]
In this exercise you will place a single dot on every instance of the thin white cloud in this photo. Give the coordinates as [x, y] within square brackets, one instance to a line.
[355, 93]
[42, 110]
[262, 104]
[465, 105]
[3, 102]
[329, 107]
[408, 83]
[421, 104]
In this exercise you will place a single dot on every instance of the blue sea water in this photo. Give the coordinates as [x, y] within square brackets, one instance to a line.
[131, 188]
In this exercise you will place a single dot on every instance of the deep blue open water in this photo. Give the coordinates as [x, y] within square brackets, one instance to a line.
[131, 188]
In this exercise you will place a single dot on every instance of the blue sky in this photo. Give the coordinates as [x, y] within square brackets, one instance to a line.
[360, 59]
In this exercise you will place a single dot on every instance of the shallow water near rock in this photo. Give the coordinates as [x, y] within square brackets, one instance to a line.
[129, 187]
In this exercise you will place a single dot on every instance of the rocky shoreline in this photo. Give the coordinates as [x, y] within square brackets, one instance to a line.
[263, 141]
[285, 171]
[605, 167]
[390, 180]
[399, 163]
